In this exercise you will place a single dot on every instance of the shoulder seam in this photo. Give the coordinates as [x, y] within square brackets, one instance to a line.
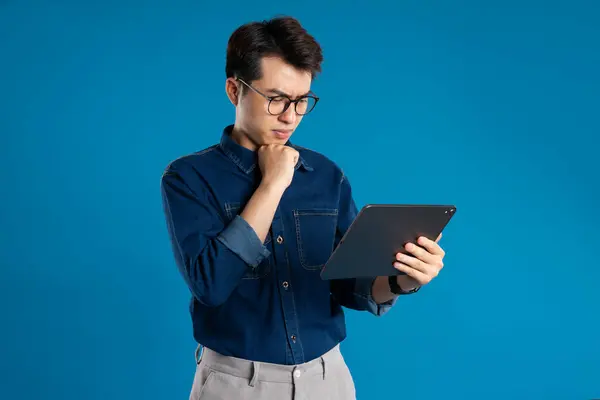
[207, 150]
[183, 157]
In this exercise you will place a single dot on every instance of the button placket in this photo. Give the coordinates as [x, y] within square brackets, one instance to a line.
[283, 271]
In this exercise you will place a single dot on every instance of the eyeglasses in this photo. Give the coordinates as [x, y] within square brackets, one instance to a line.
[279, 104]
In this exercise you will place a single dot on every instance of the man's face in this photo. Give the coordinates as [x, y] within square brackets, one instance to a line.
[252, 116]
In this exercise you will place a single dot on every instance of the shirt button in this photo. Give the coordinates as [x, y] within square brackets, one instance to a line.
[279, 239]
[285, 285]
[297, 373]
[293, 338]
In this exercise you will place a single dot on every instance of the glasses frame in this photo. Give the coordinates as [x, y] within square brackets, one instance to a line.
[288, 103]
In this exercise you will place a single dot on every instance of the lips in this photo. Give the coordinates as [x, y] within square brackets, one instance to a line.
[283, 133]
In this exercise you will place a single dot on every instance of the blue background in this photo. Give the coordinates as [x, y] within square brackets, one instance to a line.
[489, 106]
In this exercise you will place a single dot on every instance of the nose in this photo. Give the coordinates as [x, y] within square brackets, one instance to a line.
[289, 116]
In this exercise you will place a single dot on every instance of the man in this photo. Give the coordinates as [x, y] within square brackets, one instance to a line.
[253, 219]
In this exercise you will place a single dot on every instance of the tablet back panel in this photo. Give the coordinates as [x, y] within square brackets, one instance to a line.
[369, 247]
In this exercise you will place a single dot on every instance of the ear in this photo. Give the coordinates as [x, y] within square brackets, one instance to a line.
[233, 91]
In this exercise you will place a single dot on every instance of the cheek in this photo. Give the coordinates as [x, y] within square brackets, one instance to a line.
[261, 123]
[259, 108]
[253, 108]
[252, 113]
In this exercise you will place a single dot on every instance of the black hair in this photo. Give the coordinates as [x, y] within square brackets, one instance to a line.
[280, 37]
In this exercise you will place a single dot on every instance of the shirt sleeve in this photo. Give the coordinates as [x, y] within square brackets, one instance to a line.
[212, 256]
[355, 293]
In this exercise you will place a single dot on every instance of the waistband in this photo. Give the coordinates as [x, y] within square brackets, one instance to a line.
[254, 370]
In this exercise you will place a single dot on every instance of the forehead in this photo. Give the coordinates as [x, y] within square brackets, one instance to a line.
[279, 75]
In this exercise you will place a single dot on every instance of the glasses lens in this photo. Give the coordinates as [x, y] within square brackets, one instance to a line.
[305, 105]
[278, 105]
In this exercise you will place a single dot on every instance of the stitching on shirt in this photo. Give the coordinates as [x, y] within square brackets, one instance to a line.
[333, 213]
[287, 263]
[207, 150]
[257, 272]
[301, 255]
[343, 178]
[302, 159]
[236, 160]
[293, 302]
[229, 207]
[167, 169]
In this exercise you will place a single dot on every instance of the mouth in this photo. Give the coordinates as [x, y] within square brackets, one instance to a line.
[282, 133]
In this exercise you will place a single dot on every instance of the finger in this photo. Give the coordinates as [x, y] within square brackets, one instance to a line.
[294, 152]
[418, 276]
[420, 253]
[412, 262]
[431, 246]
[438, 238]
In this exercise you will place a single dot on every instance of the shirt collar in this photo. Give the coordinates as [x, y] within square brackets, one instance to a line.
[246, 159]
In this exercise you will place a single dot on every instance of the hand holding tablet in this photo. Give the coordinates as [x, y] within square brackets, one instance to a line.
[424, 263]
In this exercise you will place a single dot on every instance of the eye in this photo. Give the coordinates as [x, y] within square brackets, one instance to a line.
[278, 99]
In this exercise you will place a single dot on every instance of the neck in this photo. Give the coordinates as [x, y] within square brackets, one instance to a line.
[239, 136]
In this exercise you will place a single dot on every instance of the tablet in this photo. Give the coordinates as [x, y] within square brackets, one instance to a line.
[378, 233]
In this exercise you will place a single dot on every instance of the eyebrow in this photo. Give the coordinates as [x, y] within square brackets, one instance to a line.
[280, 93]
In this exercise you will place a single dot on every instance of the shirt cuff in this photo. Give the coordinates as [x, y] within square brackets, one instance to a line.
[363, 293]
[241, 239]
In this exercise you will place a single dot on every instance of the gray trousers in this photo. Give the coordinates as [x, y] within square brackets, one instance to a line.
[220, 377]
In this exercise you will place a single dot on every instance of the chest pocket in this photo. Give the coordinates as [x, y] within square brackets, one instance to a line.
[261, 270]
[315, 236]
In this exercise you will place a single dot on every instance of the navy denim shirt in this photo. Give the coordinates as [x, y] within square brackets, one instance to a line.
[262, 301]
